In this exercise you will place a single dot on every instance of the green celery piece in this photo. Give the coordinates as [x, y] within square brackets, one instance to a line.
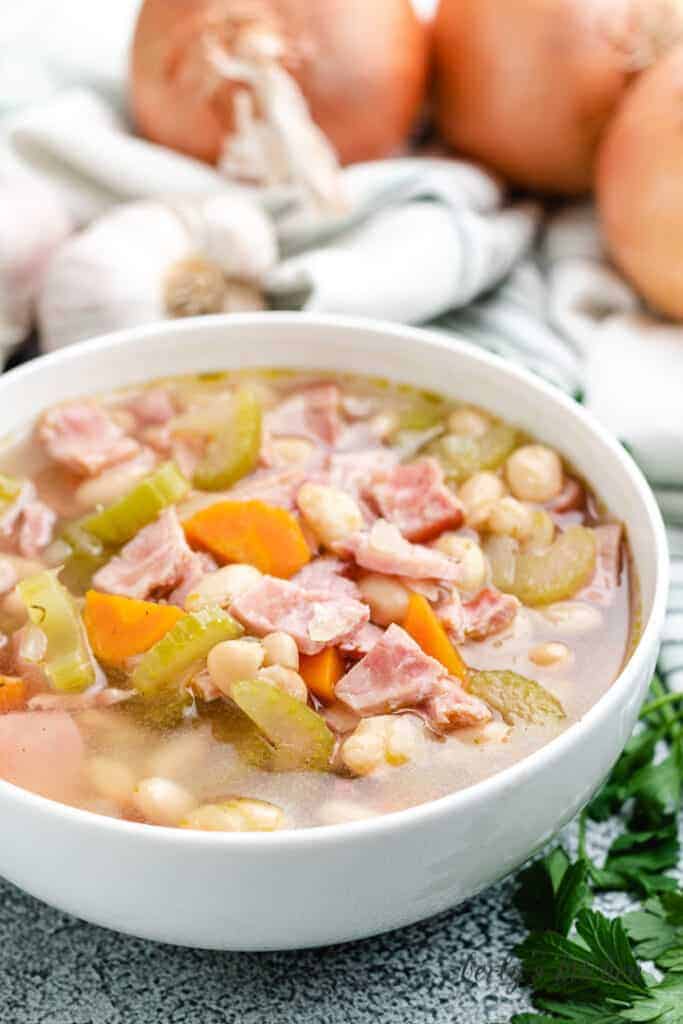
[235, 450]
[558, 572]
[164, 668]
[462, 456]
[118, 522]
[50, 606]
[301, 738]
[515, 697]
[87, 555]
[424, 412]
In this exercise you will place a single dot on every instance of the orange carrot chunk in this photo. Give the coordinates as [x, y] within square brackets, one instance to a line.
[261, 535]
[119, 627]
[424, 627]
[321, 673]
[12, 694]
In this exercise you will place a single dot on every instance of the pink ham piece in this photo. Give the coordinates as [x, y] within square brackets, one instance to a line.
[384, 550]
[8, 576]
[486, 614]
[41, 751]
[26, 526]
[397, 674]
[327, 574]
[152, 408]
[197, 568]
[415, 499]
[316, 619]
[603, 587]
[274, 486]
[362, 641]
[312, 413]
[81, 436]
[355, 472]
[571, 497]
[154, 562]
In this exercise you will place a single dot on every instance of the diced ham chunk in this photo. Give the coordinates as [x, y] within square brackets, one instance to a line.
[384, 550]
[152, 408]
[415, 499]
[571, 497]
[397, 674]
[362, 641]
[41, 751]
[327, 574]
[197, 568]
[603, 587]
[26, 526]
[316, 619]
[273, 486]
[312, 413]
[153, 563]
[355, 472]
[452, 617]
[83, 437]
[450, 705]
[489, 612]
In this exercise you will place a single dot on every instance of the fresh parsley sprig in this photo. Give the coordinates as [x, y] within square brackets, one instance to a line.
[583, 967]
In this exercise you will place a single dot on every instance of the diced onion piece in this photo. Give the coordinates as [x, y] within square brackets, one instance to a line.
[234, 451]
[49, 604]
[300, 736]
[515, 697]
[120, 521]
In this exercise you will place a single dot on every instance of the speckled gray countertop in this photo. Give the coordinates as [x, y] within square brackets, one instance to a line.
[453, 968]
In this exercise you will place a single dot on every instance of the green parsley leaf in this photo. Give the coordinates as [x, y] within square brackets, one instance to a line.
[663, 1004]
[657, 929]
[636, 860]
[552, 891]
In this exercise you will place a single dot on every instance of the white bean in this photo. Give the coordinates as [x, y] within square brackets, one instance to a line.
[550, 655]
[388, 599]
[572, 617]
[111, 779]
[468, 422]
[382, 740]
[280, 648]
[233, 661]
[162, 801]
[332, 514]
[178, 756]
[238, 815]
[285, 679]
[222, 586]
[534, 473]
[478, 495]
[474, 567]
[511, 518]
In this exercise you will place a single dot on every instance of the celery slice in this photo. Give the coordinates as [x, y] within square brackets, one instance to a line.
[230, 725]
[118, 522]
[558, 572]
[234, 451]
[87, 555]
[68, 663]
[462, 456]
[301, 738]
[515, 697]
[166, 666]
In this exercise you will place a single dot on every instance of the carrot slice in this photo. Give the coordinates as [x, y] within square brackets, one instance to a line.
[261, 535]
[424, 627]
[119, 627]
[321, 673]
[12, 694]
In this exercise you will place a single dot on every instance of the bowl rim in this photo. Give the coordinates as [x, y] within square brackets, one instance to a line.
[452, 804]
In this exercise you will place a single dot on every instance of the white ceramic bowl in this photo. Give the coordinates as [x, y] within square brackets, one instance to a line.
[323, 885]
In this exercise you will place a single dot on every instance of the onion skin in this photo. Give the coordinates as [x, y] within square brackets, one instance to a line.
[361, 64]
[639, 176]
[528, 86]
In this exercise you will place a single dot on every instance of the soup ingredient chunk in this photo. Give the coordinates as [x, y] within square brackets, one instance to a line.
[315, 619]
[381, 741]
[26, 523]
[534, 473]
[240, 814]
[163, 801]
[252, 532]
[156, 561]
[463, 455]
[168, 664]
[327, 573]
[234, 451]
[423, 625]
[384, 550]
[488, 613]
[397, 674]
[557, 573]
[313, 414]
[84, 438]
[332, 514]
[121, 627]
[42, 751]
[122, 520]
[13, 692]
[67, 661]
[321, 673]
[301, 738]
[515, 697]
[416, 500]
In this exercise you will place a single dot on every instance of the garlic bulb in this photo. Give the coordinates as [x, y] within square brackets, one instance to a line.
[148, 261]
[32, 225]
